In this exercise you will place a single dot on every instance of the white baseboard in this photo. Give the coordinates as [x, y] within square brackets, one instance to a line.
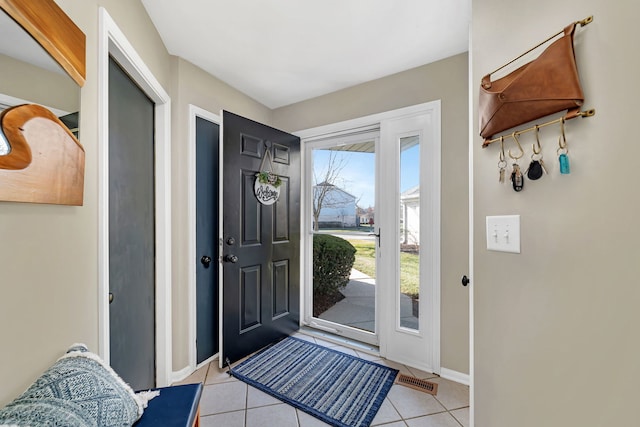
[183, 373]
[456, 376]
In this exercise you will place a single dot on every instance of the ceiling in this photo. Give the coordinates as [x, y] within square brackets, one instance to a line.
[280, 52]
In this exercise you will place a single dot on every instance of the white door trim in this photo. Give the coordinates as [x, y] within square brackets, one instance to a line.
[194, 113]
[471, 286]
[367, 123]
[112, 42]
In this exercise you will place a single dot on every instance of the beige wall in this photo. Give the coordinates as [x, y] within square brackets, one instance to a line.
[446, 80]
[556, 339]
[49, 254]
[35, 84]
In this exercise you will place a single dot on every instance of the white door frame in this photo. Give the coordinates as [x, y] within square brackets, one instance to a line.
[112, 42]
[432, 108]
[194, 113]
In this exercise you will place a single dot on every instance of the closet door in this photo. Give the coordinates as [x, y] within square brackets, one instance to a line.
[131, 231]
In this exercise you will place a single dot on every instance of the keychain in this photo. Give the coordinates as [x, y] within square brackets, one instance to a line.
[502, 163]
[536, 167]
[563, 152]
[517, 179]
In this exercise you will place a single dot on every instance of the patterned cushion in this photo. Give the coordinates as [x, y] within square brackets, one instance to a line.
[78, 390]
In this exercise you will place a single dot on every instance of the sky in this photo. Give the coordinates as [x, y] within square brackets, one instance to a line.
[358, 175]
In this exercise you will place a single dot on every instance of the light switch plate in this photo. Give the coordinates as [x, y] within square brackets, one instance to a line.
[503, 233]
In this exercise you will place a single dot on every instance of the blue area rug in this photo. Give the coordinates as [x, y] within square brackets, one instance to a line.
[340, 389]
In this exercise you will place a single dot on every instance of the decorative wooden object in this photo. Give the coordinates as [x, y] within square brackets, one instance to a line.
[54, 31]
[49, 165]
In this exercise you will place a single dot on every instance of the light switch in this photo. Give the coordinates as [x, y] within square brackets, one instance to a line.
[503, 233]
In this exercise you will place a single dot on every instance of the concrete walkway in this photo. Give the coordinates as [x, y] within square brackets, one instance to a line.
[357, 309]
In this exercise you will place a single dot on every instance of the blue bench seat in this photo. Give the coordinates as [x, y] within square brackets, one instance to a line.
[176, 406]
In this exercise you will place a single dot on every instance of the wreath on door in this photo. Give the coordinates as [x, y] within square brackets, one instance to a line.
[267, 184]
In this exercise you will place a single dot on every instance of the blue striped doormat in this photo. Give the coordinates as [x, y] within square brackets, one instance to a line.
[340, 389]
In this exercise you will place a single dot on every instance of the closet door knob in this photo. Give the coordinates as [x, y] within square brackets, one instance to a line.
[465, 280]
[205, 260]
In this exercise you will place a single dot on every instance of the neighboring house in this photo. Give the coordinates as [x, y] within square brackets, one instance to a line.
[366, 218]
[338, 207]
[410, 216]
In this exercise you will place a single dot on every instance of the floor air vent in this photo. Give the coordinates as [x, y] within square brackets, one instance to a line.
[418, 384]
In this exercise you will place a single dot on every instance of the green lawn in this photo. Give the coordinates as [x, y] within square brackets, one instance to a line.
[410, 270]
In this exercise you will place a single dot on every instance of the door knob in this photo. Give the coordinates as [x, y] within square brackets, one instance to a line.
[465, 280]
[110, 297]
[231, 258]
[205, 260]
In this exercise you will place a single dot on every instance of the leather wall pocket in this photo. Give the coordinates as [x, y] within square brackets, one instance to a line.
[546, 85]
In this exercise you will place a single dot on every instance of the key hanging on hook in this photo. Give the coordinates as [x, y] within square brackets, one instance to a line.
[563, 151]
[517, 179]
[502, 162]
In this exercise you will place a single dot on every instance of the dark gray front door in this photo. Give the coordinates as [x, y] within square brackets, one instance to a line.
[207, 220]
[131, 231]
[261, 243]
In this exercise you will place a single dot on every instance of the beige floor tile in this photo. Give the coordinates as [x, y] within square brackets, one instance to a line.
[421, 374]
[275, 415]
[325, 343]
[343, 349]
[228, 402]
[400, 367]
[413, 403]
[369, 357]
[223, 397]
[257, 398]
[386, 414]
[304, 337]
[451, 394]
[438, 420]
[395, 424]
[462, 415]
[306, 420]
[216, 375]
[228, 419]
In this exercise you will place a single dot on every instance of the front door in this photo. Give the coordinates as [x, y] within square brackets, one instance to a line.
[261, 242]
[207, 159]
[131, 231]
[392, 296]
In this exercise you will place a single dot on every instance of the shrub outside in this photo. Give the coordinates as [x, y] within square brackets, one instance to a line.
[333, 258]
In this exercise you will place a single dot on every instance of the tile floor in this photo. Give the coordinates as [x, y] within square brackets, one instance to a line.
[228, 402]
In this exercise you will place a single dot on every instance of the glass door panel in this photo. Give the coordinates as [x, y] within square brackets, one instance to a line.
[409, 243]
[344, 233]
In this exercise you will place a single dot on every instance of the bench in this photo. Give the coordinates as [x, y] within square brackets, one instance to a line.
[176, 406]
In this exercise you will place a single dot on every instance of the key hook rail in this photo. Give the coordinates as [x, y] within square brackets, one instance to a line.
[583, 114]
